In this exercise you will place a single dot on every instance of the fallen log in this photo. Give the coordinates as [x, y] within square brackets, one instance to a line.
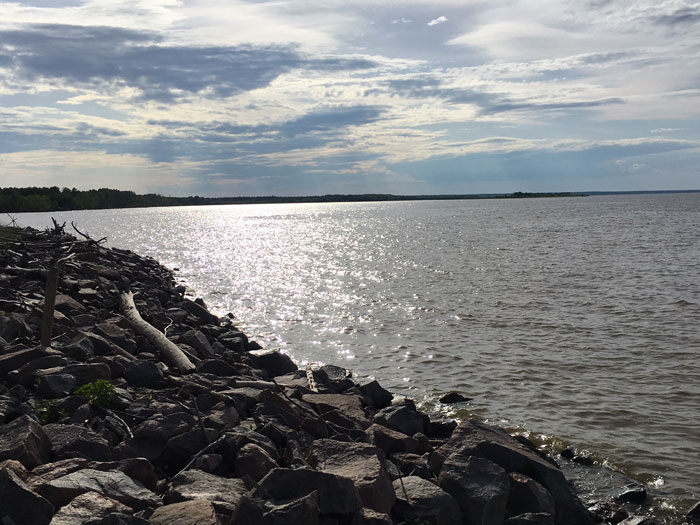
[168, 350]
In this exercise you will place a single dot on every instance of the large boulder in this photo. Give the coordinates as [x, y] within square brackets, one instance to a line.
[479, 486]
[75, 440]
[402, 418]
[420, 501]
[224, 493]
[20, 504]
[473, 438]
[199, 512]
[273, 362]
[528, 496]
[253, 461]
[86, 507]
[301, 510]
[25, 440]
[112, 484]
[336, 494]
[362, 463]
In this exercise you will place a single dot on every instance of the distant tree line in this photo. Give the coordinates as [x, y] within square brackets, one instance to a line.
[17, 200]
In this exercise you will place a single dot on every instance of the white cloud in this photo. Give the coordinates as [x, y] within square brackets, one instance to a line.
[438, 20]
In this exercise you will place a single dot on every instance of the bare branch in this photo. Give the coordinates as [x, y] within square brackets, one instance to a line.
[87, 237]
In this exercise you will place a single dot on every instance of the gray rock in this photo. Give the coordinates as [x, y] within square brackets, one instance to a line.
[693, 515]
[200, 312]
[632, 493]
[472, 438]
[118, 518]
[199, 512]
[361, 462]
[117, 335]
[199, 342]
[345, 405]
[528, 496]
[113, 484]
[142, 373]
[336, 494]
[479, 486]
[402, 419]
[390, 441]
[86, 507]
[371, 517]
[20, 504]
[217, 367]
[274, 362]
[13, 325]
[224, 493]
[88, 373]
[539, 518]
[74, 440]
[301, 510]
[421, 501]
[253, 461]
[16, 360]
[55, 385]
[411, 464]
[68, 306]
[25, 440]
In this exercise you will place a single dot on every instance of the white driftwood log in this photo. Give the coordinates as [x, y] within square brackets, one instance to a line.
[168, 350]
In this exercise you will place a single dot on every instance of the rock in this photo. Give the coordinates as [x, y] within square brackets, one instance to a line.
[301, 510]
[472, 438]
[200, 312]
[420, 501]
[253, 461]
[411, 464]
[217, 367]
[199, 342]
[348, 405]
[74, 440]
[20, 504]
[68, 306]
[162, 428]
[16, 467]
[13, 326]
[540, 518]
[117, 335]
[55, 385]
[693, 515]
[377, 396]
[210, 463]
[528, 496]
[117, 518]
[402, 419]
[142, 373]
[25, 375]
[609, 512]
[16, 360]
[87, 507]
[336, 494]
[25, 440]
[479, 486]
[360, 462]
[87, 373]
[275, 363]
[199, 512]
[390, 441]
[112, 484]
[371, 517]
[454, 397]
[223, 493]
[441, 427]
[102, 346]
[632, 493]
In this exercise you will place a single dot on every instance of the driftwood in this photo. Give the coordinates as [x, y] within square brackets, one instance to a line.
[165, 346]
[49, 305]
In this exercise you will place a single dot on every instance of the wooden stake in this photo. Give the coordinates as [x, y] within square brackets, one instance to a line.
[49, 305]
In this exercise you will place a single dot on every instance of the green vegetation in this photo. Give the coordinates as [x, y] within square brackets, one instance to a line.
[46, 411]
[17, 200]
[98, 393]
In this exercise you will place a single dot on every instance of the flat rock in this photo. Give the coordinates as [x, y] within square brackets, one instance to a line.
[301, 510]
[418, 500]
[223, 493]
[361, 462]
[112, 484]
[20, 504]
[336, 494]
[197, 340]
[390, 441]
[348, 405]
[403, 419]
[16, 360]
[142, 373]
[528, 496]
[479, 486]
[26, 441]
[371, 517]
[86, 507]
[198, 512]
[539, 518]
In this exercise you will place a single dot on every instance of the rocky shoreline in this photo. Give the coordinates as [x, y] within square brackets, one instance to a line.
[100, 428]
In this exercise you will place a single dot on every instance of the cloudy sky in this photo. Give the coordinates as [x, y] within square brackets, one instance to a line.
[299, 97]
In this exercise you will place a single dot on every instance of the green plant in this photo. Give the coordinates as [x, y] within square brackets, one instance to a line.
[98, 393]
[45, 410]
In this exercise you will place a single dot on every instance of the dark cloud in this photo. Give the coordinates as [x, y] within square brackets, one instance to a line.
[488, 103]
[105, 55]
[682, 16]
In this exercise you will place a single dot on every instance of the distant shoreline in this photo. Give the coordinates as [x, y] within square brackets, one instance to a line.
[27, 200]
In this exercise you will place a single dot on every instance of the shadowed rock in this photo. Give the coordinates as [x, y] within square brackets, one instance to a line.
[419, 500]
[20, 504]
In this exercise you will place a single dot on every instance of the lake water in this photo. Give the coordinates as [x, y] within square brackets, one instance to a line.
[577, 318]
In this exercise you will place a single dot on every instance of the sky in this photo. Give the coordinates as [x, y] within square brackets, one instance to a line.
[300, 97]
